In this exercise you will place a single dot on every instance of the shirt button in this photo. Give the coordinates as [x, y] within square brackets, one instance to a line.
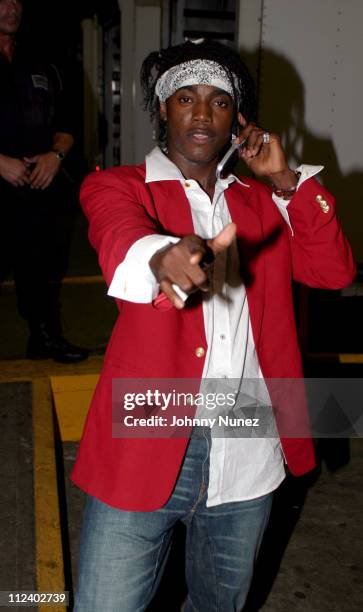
[222, 337]
[199, 351]
[186, 184]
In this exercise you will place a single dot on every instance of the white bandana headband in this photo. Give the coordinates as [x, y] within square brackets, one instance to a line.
[194, 72]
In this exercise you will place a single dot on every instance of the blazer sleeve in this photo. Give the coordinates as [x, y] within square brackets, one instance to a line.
[119, 214]
[321, 254]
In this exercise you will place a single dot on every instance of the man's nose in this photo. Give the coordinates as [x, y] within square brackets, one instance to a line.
[202, 111]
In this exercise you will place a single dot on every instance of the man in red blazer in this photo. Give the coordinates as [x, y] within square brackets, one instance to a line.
[202, 269]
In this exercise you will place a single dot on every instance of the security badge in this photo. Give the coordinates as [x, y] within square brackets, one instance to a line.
[40, 81]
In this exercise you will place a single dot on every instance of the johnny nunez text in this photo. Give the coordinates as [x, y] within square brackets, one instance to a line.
[163, 421]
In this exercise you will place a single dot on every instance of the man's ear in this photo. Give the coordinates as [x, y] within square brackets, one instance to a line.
[162, 111]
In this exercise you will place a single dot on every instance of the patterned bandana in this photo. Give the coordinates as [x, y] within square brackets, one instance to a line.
[194, 72]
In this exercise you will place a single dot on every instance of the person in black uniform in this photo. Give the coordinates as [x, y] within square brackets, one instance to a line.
[35, 196]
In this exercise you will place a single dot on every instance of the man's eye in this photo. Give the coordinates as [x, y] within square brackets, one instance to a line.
[221, 103]
[185, 99]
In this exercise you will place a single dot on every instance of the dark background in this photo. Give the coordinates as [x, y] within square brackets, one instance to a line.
[52, 30]
[55, 26]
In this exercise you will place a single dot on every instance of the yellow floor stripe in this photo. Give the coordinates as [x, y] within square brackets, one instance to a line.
[68, 280]
[351, 358]
[72, 397]
[336, 357]
[83, 280]
[49, 554]
[26, 369]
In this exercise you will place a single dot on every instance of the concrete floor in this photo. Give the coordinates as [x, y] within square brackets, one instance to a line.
[311, 560]
[17, 542]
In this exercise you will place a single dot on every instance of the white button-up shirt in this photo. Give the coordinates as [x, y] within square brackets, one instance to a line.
[240, 468]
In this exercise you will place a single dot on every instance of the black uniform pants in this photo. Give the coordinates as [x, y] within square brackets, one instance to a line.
[35, 233]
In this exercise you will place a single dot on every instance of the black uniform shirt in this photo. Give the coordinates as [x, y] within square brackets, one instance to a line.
[33, 106]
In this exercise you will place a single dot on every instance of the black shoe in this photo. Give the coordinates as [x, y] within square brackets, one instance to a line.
[41, 345]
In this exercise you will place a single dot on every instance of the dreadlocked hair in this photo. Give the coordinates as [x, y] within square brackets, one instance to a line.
[158, 62]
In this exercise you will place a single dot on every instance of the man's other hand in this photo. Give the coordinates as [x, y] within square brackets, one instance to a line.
[265, 159]
[14, 171]
[47, 166]
[186, 263]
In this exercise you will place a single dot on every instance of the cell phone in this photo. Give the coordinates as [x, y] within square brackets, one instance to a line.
[233, 148]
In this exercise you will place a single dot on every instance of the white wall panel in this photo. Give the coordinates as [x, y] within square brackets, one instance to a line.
[311, 91]
[323, 40]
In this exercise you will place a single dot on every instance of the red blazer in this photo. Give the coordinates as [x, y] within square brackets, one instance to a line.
[139, 474]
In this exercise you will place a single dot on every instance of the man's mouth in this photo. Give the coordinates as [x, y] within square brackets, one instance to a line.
[201, 135]
[13, 19]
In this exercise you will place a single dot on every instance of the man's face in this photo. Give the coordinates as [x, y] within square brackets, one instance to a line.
[10, 16]
[199, 120]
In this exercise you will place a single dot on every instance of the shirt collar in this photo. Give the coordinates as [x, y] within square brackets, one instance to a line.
[160, 168]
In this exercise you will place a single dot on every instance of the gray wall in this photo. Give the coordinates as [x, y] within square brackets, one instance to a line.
[140, 33]
[308, 57]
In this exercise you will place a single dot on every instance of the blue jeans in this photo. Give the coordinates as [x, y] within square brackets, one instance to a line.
[123, 553]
